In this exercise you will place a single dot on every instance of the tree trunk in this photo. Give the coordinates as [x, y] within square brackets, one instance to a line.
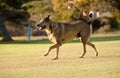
[6, 36]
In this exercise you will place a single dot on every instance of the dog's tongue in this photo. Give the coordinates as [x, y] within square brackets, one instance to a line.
[40, 28]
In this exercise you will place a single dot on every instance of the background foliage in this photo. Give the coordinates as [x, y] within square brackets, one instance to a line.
[18, 13]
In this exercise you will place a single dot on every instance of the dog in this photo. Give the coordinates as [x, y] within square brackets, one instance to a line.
[60, 33]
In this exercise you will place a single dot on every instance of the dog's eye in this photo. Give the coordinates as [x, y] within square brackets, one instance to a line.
[38, 25]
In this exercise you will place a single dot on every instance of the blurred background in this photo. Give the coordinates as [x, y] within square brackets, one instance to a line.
[16, 15]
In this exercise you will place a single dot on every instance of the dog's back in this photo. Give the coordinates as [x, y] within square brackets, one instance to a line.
[69, 31]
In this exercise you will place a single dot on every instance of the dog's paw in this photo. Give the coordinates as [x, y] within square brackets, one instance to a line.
[45, 54]
[96, 54]
[55, 58]
[81, 57]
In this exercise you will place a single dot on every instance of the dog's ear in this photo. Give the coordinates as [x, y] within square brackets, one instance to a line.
[48, 16]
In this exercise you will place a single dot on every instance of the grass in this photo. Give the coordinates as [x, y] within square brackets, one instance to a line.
[37, 40]
[21, 59]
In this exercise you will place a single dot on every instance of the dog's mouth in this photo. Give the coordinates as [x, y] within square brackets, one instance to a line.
[42, 27]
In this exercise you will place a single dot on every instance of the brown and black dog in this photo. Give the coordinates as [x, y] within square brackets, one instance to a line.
[60, 33]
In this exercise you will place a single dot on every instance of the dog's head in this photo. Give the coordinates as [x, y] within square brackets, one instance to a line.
[44, 23]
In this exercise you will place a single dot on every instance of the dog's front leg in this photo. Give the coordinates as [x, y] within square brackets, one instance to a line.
[52, 47]
[57, 54]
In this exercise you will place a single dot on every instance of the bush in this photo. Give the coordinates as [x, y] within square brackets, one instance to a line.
[105, 24]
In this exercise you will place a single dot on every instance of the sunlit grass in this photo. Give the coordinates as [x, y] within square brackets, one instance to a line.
[26, 60]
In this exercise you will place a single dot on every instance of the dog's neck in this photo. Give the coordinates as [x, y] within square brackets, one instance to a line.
[48, 31]
[50, 28]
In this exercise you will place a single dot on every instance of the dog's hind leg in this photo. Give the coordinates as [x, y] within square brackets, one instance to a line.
[93, 46]
[84, 48]
[52, 47]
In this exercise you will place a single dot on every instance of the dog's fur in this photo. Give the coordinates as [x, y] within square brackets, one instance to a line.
[60, 33]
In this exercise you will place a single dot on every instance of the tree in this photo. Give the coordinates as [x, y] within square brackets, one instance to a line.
[9, 11]
[6, 35]
[14, 3]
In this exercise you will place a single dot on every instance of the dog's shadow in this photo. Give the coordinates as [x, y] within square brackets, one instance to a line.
[110, 56]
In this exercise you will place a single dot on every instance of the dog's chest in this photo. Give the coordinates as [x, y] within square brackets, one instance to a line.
[52, 38]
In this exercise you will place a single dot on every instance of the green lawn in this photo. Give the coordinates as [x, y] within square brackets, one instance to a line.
[21, 59]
